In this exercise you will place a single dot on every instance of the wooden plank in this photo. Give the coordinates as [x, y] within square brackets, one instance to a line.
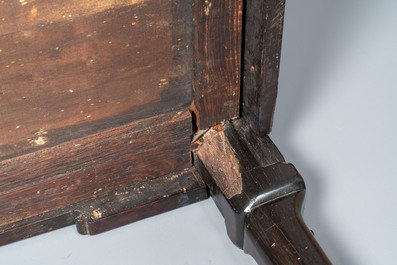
[116, 208]
[157, 196]
[73, 68]
[263, 34]
[217, 56]
[74, 171]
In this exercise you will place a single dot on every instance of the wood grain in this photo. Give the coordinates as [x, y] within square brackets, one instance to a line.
[116, 208]
[277, 234]
[262, 48]
[217, 56]
[74, 171]
[74, 68]
[263, 217]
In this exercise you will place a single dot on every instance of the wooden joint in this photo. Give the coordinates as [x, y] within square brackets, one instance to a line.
[259, 195]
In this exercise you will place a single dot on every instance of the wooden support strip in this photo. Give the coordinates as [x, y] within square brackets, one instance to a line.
[55, 177]
[217, 56]
[116, 208]
[263, 35]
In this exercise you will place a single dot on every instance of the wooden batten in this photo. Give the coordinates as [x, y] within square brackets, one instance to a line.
[113, 209]
[262, 49]
[217, 61]
[55, 177]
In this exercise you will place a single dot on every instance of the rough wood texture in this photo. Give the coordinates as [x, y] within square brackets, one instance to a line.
[217, 56]
[56, 177]
[116, 208]
[269, 202]
[72, 68]
[263, 34]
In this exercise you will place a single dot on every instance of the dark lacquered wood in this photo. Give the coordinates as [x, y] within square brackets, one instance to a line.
[217, 61]
[262, 49]
[113, 209]
[101, 99]
[275, 233]
[259, 195]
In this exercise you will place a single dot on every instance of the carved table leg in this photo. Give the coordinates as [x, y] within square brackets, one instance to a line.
[259, 195]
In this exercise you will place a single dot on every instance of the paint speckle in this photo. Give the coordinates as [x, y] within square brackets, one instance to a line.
[62, 110]
[40, 132]
[88, 116]
[163, 82]
[96, 213]
[89, 99]
[23, 2]
[39, 141]
[207, 7]
[33, 13]
[38, 192]
[273, 245]
[17, 127]
[71, 90]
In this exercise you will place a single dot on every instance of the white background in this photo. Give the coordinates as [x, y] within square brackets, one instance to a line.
[335, 120]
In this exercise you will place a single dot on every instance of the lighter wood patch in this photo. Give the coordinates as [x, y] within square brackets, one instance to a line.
[221, 162]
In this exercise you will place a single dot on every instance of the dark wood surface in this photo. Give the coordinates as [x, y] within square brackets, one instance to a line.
[116, 208]
[73, 68]
[94, 98]
[95, 126]
[55, 177]
[259, 195]
[276, 234]
[217, 61]
[262, 48]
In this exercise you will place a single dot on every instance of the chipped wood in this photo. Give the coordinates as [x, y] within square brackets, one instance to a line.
[221, 162]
